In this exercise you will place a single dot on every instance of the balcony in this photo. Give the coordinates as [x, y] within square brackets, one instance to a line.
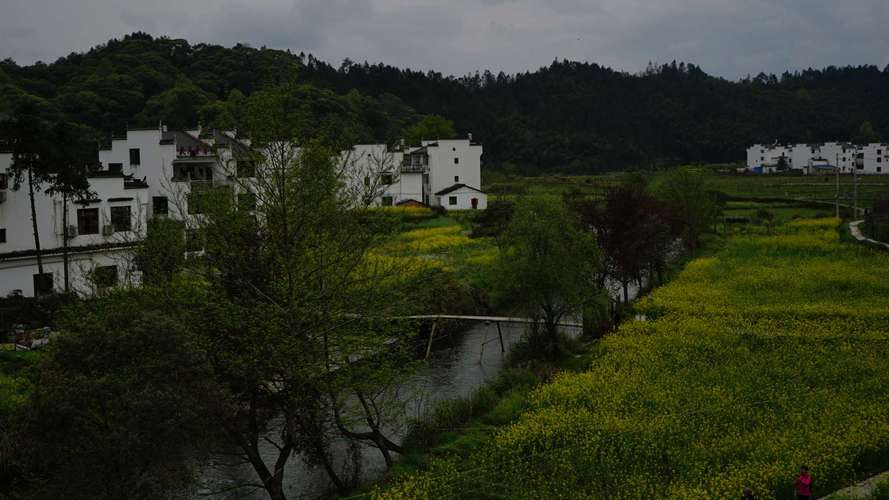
[194, 152]
[414, 169]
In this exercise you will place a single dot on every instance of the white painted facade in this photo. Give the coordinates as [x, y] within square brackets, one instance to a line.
[418, 172]
[461, 197]
[93, 239]
[150, 173]
[814, 158]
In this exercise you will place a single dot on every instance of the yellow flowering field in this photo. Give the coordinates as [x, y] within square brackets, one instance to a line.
[770, 354]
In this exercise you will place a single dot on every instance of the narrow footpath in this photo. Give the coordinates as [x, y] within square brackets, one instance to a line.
[860, 490]
[856, 233]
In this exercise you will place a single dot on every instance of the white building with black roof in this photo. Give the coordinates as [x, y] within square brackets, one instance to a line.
[421, 173]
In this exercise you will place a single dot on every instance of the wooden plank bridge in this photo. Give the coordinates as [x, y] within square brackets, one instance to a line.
[487, 319]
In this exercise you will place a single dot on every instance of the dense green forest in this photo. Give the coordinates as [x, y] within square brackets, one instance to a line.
[569, 117]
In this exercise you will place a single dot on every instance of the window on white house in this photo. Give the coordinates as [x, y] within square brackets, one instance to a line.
[456, 178]
[43, 284]
[121, 218]
[387, 201]
[116, 168]
[4, 181]
[386, 179]
[452, 200]
[159, 204]
[456, 161]
[134, 156]
[105, 276]
[2, 235]
[88, 221]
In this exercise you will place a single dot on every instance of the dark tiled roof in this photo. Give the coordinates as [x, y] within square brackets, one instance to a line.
[455, 187]
[105, 174]
[411, 202]
[135, 184]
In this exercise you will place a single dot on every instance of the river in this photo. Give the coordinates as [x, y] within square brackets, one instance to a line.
[460, 363]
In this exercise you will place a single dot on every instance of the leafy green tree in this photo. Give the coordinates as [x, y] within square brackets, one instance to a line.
[865, 134]
[298, 259]
[161, 254]
[118, 408]
[547, 267]
[177, 106]
[692, 204]
[69, 154]
[430, 127]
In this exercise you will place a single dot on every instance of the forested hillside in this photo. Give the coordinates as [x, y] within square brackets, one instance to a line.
[568, 117]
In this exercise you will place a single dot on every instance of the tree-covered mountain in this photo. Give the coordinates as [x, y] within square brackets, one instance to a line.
[567, 117]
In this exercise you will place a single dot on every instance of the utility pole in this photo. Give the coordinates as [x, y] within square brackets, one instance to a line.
[836, 168]
[855, 196]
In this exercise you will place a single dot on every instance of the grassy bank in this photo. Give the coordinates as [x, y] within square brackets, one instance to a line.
[771, 353]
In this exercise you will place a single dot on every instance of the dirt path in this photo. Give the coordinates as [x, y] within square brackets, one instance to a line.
[855, 231]
[860, 490]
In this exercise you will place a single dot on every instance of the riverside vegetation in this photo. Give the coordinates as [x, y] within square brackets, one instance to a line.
[768, 353]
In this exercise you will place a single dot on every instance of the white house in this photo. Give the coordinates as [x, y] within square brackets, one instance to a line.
[420, 173]
[100, 234]
[818, 158]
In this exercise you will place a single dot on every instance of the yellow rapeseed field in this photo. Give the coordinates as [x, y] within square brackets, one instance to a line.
[771, 354]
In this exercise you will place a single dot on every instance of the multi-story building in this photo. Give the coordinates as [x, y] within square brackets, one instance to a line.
[443, 173]
[96, 234]
[154, 172]
[818, 158]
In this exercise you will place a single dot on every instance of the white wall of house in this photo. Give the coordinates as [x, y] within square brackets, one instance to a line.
[453, 161]
[756, 155]
[18, 263]
[449, 162]
[873, 158]
[18, 273]
[462, 199]
[849, 158]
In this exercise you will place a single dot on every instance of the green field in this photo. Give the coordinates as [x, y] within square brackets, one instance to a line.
[769, 353]
[811, 188]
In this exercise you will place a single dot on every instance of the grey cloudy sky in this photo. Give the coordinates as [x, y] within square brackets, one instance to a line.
[730, 38]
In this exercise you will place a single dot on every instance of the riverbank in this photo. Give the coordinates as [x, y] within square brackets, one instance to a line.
[714, 376]
[458, 428]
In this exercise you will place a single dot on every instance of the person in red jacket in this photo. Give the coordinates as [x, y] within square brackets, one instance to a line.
[803, 484]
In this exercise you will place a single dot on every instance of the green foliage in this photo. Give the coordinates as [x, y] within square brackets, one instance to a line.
[687, 194]
[117, 407]
[162, 253]
[766, 355]
[430, 127]
[567, 117]
[865, 134]
[546, 267]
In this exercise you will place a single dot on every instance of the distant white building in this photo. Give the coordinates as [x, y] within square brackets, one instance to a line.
[153, 172]
[443, 173]
[817, 158]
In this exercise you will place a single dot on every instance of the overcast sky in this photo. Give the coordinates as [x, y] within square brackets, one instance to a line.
[729, 38]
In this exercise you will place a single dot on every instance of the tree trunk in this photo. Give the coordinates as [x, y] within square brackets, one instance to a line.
[65, 241]
[34, 223]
